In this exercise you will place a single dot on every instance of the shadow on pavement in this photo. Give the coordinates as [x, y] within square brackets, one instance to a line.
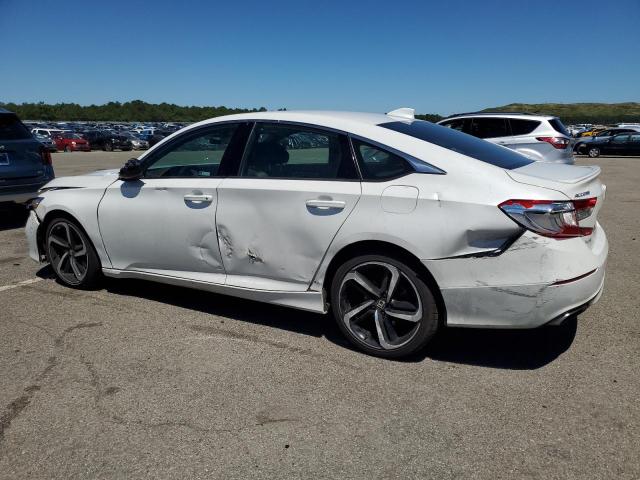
[12, 216]
[505, 349]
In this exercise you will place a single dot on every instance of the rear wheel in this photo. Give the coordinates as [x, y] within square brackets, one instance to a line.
[67, 148]
[594, 152]
[383, 306]
[71, 254]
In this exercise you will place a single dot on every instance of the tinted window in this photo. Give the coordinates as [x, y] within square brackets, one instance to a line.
[461, 143]
[379, 164]
[522, 127]
[635, 138]
[559, 127]
[489, 127]
[198, 155]
[12, 129]
[288, 151]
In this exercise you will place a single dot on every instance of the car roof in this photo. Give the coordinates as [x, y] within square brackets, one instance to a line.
[502, 114]
[328, 118]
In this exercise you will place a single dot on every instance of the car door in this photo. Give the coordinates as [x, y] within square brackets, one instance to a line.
[164, 223]
[295, 188]
[618, 144]
[634, 144]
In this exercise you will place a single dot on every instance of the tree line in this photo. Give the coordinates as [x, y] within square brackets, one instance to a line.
[135, 111]
[139, 111]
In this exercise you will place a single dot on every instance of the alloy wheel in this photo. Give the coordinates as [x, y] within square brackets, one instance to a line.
[68, 253]
[380, 305]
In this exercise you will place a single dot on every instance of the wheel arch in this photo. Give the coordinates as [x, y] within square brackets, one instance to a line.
[381, 247]
[48, 218]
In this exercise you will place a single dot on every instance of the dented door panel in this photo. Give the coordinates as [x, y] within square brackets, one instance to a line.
[148, 225]
[274, 233]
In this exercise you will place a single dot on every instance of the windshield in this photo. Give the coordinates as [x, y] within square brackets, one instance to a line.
[459, 142]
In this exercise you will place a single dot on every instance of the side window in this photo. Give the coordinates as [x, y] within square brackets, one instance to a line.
[620, 139]
[197, 155]
[289, 151]
[379, 164]
[635, 138]
[522, 127]
[460, 124]
[489, 127]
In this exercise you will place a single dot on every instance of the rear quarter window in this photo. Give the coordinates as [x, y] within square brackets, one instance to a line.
[460, 142]
[522, 126]
[11, 128]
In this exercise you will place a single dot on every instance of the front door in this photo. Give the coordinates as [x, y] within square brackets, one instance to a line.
[296, 187]
[164, 223]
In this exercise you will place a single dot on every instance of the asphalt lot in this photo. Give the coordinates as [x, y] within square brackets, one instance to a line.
[145, 380]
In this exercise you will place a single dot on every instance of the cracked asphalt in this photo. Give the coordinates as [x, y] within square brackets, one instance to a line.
[140, 380]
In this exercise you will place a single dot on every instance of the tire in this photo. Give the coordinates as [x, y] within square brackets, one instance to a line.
[78, 269]
[386, 325]
[594, 152]
[108, 147]
[67, 148]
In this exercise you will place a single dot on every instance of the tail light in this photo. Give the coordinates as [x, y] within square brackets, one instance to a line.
[46, 156]
[558, 142]
[550, 218]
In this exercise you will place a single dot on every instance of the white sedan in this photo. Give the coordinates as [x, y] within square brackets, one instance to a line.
[396, 225]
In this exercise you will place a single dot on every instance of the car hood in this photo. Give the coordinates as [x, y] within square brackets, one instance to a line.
[97, 179]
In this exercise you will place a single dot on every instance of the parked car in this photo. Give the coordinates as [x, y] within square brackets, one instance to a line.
[25, 164]
[582, 144]
[107, 140]
[71, 142]
[47, 132]
[136, 142]
[400, 225]
[620, 144]
[48, 143]
[540, 137]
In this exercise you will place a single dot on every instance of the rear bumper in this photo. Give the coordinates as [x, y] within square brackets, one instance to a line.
[536, 281]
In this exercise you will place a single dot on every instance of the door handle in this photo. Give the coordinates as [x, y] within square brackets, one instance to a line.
[326, 204]
[198, 198]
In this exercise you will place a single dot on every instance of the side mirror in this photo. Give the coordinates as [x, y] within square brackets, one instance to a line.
[132, 170]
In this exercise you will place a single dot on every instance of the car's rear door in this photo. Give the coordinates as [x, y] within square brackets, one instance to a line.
[164, 223]
[295, 188]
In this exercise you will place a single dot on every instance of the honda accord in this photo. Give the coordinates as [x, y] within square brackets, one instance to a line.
[396, 226]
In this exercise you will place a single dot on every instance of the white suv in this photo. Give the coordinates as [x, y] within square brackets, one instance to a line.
[540, 137]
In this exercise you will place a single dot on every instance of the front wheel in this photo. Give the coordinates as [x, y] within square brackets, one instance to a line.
[594, 152]
[383, 306]
[71, 254]
[108, 147]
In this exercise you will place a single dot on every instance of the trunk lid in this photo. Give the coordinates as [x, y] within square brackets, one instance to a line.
[571, 181]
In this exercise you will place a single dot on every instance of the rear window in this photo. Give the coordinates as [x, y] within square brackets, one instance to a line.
[460, 143]
[11, 128]
[559, 127]
[522, 127]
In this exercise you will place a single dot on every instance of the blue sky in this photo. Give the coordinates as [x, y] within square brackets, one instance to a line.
[435, 56]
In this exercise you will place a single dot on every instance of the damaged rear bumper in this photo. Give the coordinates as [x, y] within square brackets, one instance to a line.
[537, 281]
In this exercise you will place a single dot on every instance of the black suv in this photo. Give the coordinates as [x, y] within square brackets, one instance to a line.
[25, 164]
[106, 140]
